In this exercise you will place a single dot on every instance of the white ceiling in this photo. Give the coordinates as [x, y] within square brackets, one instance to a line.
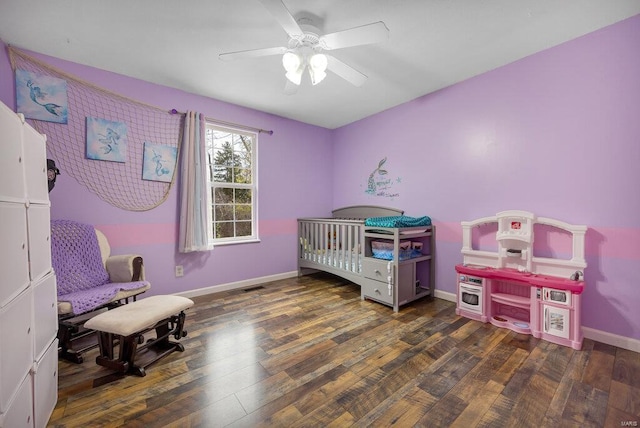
[432, 44]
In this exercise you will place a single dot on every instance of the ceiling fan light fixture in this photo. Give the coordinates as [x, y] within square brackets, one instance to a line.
[317, 76]
[318, 62]
[317, 68]
[306, 46]
[295, 76]
[291, 61]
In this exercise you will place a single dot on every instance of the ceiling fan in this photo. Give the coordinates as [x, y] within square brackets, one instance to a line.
[306, 48]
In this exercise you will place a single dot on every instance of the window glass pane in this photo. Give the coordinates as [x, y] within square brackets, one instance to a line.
[242, 150]
[242, 175]
[224, 230]
[223, 212]
[243, 212]
[243, 228]
[243, 196]
[223, 195]
[222, 174]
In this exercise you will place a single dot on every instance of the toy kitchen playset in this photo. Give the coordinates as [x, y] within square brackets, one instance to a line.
[514, 289]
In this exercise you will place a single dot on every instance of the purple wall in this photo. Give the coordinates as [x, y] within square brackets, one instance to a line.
[556, 133]
[292, 162]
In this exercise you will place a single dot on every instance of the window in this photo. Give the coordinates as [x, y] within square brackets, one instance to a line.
[232, 166]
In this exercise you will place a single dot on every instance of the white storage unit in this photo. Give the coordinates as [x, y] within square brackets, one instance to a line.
[45, 385]
[28, 307]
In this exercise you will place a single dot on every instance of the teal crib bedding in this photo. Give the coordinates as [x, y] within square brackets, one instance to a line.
[398, 221]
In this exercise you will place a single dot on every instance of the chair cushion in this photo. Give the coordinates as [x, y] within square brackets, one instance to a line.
[138, 316]
[64, 307]
[87, 300]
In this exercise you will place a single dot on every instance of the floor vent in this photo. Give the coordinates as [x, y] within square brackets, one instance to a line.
[259, 287]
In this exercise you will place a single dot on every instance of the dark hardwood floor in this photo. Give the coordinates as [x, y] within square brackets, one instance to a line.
[308, 352]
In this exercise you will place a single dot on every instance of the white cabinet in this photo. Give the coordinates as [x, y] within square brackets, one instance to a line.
[39, 227]
[14, 257]
[35, 166]
[45, 384]
[28, 307]
[45, 322]
[12, 186]
[17, 358]
[20, 414]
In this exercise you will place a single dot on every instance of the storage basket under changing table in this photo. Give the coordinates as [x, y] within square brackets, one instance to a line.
[384, 250]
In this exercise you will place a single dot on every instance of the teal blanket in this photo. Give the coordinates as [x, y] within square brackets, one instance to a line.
[398, 221]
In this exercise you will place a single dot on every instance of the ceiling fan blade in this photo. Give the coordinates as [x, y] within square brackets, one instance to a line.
[345, 71]
[283, 16]
[253, 53]
[370, 33]
[290, 88]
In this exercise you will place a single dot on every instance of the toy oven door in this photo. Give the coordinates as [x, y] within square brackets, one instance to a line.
[470, 298]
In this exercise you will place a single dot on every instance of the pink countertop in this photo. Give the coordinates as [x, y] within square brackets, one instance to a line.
[532, 279]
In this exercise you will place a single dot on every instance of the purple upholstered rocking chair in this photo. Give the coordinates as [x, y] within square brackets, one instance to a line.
[89, 281]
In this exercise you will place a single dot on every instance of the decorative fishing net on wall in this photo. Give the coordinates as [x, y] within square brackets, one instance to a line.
[118, 183]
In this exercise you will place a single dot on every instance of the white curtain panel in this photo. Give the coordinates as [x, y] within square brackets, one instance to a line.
[193, 188]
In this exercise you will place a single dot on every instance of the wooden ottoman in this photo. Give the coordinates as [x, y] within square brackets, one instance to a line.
[126, 325]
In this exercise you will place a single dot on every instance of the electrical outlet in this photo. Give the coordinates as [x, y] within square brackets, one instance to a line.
[179, 271]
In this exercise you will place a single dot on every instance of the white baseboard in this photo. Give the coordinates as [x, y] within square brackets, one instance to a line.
[589, 333]
[445, 295]
[239, 284]
[612, 339]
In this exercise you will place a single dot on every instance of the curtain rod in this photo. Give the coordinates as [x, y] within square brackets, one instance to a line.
[235, 125]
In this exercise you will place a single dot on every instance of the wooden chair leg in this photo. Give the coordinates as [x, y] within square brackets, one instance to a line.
[128, 349]
[106, 342]
[74, 341]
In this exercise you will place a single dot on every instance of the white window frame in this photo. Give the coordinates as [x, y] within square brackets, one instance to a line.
[211, 185]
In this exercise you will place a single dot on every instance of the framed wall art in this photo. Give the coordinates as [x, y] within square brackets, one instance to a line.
[41, 97]
[159, 162]
[106, 140]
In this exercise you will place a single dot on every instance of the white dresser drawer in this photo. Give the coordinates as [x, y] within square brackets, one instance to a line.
[45, 313]
[45, 383]
[39, 229]
[14, 261]
[16, 359]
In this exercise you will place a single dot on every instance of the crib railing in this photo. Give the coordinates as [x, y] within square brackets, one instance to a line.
[333, 243]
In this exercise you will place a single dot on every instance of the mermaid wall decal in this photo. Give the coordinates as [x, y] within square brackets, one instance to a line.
[380, 185]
